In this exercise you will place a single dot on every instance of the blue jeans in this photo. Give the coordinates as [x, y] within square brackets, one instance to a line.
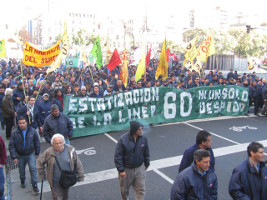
[2, 118]
[2, 183]
[31, 160]
[67, 141]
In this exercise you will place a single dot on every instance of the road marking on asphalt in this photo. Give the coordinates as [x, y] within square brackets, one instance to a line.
[212, 133]
[205, 119]
[241, 128]
[163, 176]
[156, 165]
[110, 137]
[89, 151]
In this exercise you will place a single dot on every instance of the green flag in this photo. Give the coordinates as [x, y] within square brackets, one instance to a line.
[96, 52]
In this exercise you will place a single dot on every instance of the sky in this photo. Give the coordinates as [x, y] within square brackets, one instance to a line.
[13, 16]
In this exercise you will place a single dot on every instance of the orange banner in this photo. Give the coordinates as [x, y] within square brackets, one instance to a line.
[38, 58]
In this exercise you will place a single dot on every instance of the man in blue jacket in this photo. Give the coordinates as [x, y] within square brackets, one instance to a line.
[30, 112]
[18, 94]
[24, 147]
[196, 181]
[57, 122]
[203, 141]
[44, 108]
[249, 179]
[132, 160]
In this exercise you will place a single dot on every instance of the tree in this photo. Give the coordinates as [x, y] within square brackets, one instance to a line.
[82, 37]
[251, 44]
[169, 45]
[235, 41]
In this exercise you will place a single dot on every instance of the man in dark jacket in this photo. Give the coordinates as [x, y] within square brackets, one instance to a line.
[3, 158]
[31, 113]
[48, 90]
[96, 92]
[254, 93]
[203, 141]
[18, 94]
[249, 179]
[264, 96]
[196, 181]
[57, 122]
[8, 111]
[45, 107]
[2, 95]
[132, 160]
[24, 147]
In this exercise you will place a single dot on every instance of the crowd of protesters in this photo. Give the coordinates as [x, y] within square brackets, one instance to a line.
[93, 82]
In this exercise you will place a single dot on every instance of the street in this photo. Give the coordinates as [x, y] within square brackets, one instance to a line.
[230, 136]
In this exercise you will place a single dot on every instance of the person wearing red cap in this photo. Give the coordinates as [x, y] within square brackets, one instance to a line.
[132, 160]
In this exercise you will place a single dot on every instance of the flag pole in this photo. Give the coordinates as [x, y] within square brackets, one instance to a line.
[24, 91]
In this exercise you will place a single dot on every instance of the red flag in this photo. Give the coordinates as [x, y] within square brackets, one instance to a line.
[174, 57]
[167, 54]
[148, 57]
[114, 61]
[124, 70]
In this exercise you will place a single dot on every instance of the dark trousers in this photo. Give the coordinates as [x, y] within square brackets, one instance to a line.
[9, 121]
[2, 118]
[2, 183]
[256, 105]
[59, 193]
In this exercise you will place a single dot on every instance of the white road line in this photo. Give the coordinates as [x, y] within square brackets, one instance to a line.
[110, 137]
[163, 176]
[206, 119]
[156, 165]
[212, 133]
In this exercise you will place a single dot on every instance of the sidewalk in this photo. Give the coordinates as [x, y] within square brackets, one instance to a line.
[18, 193]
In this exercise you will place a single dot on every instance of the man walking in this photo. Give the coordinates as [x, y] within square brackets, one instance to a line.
[57, 122]
[24, 147]
[67, 159]
[203, 141]
[196, 181]
[132, 160]
[249, 179]
[3, 158]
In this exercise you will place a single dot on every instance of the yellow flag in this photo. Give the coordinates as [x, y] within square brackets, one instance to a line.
[197, 66]
[62, 54]
[83, 57]
[206, 49]
[190, 51]
[55, 64]
[65, 41]
[141, 69]
[2, 48]
[38, 58]
[124, 70]
[163, 65]
[250, 63]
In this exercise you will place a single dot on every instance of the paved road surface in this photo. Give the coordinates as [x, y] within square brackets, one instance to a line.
[231, 136]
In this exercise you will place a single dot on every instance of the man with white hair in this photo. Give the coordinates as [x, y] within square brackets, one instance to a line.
[83, 92]
[9, 113]
[67, 159]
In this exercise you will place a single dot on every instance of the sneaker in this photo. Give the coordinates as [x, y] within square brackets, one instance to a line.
[22, 184]
[35, 190]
